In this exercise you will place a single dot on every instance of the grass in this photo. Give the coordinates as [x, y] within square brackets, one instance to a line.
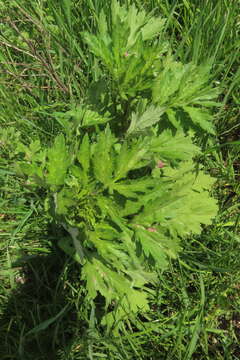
[45, 67]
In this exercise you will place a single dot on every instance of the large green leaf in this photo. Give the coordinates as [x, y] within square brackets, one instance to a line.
[184, 206]
[183, 87]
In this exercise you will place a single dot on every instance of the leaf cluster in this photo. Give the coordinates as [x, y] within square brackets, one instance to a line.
[127, 44]
[144, 77]
[125, 213]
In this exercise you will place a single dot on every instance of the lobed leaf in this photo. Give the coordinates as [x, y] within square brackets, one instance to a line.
[58, 162]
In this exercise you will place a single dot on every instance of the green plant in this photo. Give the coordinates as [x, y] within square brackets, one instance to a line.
[125, 188]
[125, 204]
[194, 308]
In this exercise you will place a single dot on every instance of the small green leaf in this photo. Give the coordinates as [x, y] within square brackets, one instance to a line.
[167, 83]
[129, 158]
[91, 118]
[58, 162]
[64, 200]
[152, 247]
[27, 169]
[102, 159]
[83, 154]
[173, 147]
[201, 118]
[150, 117]
[153, 27]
